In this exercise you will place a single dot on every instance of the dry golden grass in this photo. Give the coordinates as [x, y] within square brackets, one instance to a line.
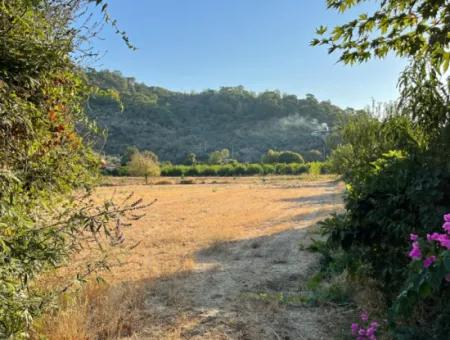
[186, 220]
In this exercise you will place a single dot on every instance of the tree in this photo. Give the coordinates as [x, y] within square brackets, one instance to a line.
[219, 157]
[191, 159]
[409, 28]
[313, 156]
[144, 164]
[287, 157]
[128, 153]
[290, 157]
[46, 168]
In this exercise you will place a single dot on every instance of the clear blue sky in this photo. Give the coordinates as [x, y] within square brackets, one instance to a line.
[192, 45]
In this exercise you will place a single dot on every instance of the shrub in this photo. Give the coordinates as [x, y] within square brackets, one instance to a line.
[226, 170]
[400, 195]
[315, 168]
[208, 170]
[172, 171]
[191, 171]
[268, 169]
[254, 169]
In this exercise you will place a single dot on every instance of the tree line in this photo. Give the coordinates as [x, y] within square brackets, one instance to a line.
[174, 124]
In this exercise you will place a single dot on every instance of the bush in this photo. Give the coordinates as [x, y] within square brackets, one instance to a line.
[235, 169]
[400, 195]
[172, 171]
[191, 171]
[287, 157]
[314, 168]
[254, 169]
[268, 169]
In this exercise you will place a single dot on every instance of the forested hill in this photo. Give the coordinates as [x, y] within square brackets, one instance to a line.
[173, 124]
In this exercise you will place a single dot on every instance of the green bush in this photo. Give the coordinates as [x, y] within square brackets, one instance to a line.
[400, 195]
[315, 168]
[236, 169]
[254, 169]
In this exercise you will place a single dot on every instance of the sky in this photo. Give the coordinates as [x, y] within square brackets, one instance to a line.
[193, 45]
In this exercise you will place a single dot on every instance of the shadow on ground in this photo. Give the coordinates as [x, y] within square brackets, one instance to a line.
[217, 300]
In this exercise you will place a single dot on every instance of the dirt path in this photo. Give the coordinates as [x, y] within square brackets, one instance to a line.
[218, 296]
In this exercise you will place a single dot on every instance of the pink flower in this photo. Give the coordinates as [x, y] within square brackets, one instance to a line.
[355, 328]
[447, 278]
[429, 261]
[371, 331]
[413, 237]
[374, 324]
[447, 217]
[443, 239]
[415, 253]
[364, 316]
[446, 227]
[362, 331]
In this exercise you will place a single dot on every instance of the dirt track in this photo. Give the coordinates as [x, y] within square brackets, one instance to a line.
[208, 250]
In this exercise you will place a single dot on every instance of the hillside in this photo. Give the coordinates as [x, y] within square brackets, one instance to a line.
[173, 124]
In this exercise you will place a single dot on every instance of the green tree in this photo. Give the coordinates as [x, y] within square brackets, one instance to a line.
[219, 157]
[290, 157]
[409, 28]
[144, 164]
[191, 159]
[128, 153]
[46, 168]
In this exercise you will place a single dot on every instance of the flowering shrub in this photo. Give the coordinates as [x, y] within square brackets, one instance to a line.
[436, 244]
[365, 330]
[426, 290]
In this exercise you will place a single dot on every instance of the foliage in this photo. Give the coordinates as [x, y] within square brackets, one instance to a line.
[143, 164]
[174, 124]
[365, 138]
[128, 154]
[234, 169]
[219, 156]
[396, 168]
[427, 285]
[272, 156]
[409, 28]
[46, 166]
[191, 159]
[313, 156]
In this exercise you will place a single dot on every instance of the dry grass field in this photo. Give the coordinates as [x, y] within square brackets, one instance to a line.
[200, 255]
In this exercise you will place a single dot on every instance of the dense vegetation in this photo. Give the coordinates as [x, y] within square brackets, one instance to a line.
[243, 169]
[46, 167]
[397, 172]
[175, 124]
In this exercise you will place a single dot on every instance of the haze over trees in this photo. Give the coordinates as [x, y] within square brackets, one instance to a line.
[174, 124]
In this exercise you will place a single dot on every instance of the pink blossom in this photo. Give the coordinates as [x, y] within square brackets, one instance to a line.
[415, 252]
[447, 217]
[355, 328]
[374, 324]
[429, 261]
[446, 227]
[443, 239]
[413, 237]
[364, 316]
[447, 278]
[370, 331]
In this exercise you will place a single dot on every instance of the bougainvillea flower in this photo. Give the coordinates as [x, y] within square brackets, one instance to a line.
[355, 328]
[413, 237]
[446, 227]
[415, 252]
[447, 217]
[364, 316]
[429, 261]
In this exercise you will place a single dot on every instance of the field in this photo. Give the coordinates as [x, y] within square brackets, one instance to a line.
[207, 261]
